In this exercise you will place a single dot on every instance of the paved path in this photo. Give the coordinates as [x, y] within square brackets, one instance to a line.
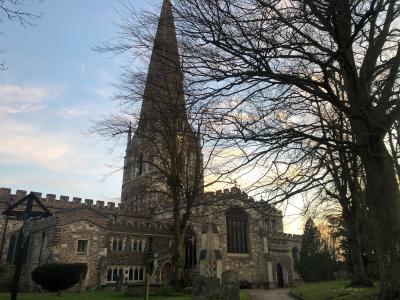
[278, 294]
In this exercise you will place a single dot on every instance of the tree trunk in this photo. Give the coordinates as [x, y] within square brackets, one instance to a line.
[359, 273]
[383, 199]
[178, 261]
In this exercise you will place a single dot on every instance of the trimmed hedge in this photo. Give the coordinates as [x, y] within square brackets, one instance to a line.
[58, 277]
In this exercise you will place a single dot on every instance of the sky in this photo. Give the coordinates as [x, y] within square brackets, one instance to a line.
[54, 87]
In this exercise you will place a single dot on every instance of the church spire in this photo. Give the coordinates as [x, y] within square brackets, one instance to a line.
[163, 95]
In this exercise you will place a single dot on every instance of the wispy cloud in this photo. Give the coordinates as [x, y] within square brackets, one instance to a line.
[71, 112]
[29, 144]
[21, 99]
[104, 92]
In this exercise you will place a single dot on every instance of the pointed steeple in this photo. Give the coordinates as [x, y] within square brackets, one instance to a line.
[163, 95]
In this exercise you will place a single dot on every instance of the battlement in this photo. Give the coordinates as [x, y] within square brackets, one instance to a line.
[287, 236]
[51, 200]
[234, 191]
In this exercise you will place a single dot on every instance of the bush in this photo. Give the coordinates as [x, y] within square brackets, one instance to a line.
[168, 291]
[58, 277]
[187, 290]
[2, 270]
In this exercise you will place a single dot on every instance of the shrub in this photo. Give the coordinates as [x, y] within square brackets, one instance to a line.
[187, 290]
[58, 277]
[2, 270]
[168, 291]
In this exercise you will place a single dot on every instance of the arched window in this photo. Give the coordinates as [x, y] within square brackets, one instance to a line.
[115, 274]
[130, 274]
[140, 246]
[136, 274]
[115, 245]
[135, 245]
[236, 230]
[120, 246]
[11, 249]
[141, 274]
[109, 274]
[295, 257]
[190, 249]
[121, 273]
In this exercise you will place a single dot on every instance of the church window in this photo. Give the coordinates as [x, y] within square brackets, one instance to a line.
[121, 273]
[130, 274]
[136, 274]
[109, 274]
[237, 226]
[141, 274]
[115, 275]
[140, 246]
[11, 249]
[115, 245]
[140, 165]
[179, 126]
[82, 247]
[190, 249]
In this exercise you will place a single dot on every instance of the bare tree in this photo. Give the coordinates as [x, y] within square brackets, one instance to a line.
[282, 57]
[264, 67]
[13, 10]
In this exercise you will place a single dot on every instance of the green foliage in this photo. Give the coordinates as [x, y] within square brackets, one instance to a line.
[169, 291]
[58, 277]
[316, 259]
[2, 270]
[187, 290]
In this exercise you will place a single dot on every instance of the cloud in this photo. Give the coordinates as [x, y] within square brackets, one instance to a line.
[104, 92]
[82, 68]
[70, 112]
[21, 99]
[27, 144]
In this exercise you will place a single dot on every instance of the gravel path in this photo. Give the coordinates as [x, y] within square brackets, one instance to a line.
[278, 294]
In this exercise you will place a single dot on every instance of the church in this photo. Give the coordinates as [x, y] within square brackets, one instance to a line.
[227, 230]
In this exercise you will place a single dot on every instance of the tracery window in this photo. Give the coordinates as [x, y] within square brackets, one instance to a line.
[130, 274]
[190, 249]
[237, 230]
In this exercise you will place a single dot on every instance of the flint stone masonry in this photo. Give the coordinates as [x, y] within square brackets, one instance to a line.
[98, 223]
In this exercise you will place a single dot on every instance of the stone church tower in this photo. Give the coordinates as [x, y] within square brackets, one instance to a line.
[164, 148]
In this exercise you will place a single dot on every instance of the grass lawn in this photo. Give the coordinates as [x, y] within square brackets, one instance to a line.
[98, 296]
[334, 290]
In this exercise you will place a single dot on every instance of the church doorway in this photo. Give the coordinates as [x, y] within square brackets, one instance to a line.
[279, 276]
[166, 273]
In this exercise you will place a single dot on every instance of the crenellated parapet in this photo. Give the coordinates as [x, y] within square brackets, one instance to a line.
[62, 202]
